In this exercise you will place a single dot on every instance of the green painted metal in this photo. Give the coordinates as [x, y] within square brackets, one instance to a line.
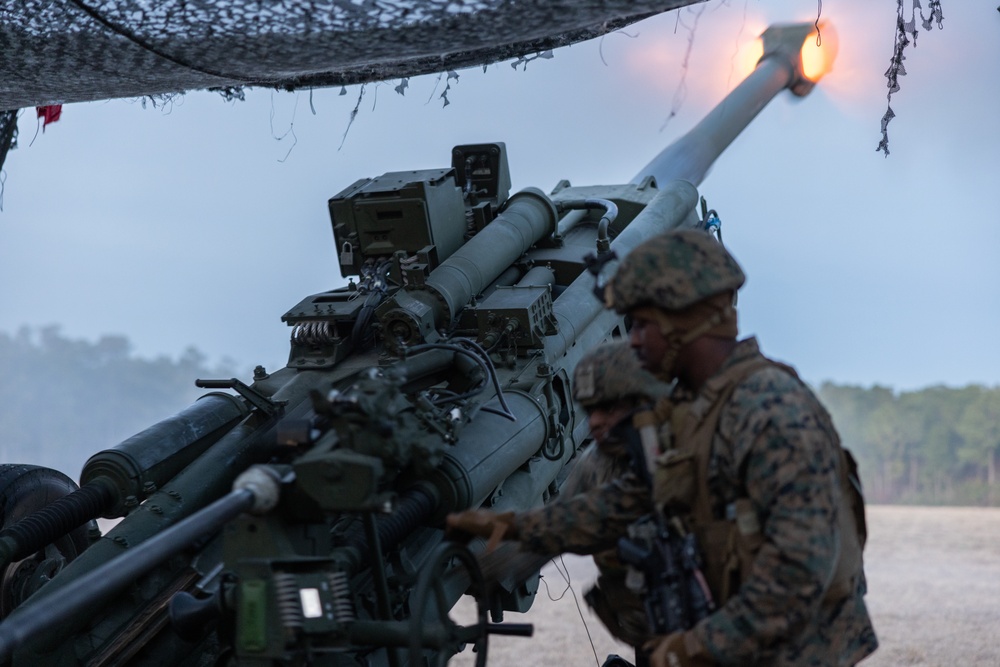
[439, 379]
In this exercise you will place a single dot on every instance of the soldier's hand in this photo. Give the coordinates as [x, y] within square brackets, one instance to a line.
[463, 526]
[680, 649]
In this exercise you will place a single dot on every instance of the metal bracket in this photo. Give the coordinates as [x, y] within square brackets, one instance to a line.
[595, 265]
[252, 396]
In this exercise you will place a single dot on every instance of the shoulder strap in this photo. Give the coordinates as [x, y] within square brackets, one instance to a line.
[699, 420]
[696, 433]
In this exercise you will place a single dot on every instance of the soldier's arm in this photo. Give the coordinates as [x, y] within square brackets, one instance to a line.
[583, 474]
[791, 481]
[586, 523]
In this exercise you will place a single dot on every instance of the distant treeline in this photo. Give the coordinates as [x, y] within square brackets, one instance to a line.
[935, 446]
[62, 400]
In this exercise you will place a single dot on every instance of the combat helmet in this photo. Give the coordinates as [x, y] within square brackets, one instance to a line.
[673, 271]
[611, 372]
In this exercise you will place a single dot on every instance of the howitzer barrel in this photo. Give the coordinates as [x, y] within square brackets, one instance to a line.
[684, 164]
[690, 157]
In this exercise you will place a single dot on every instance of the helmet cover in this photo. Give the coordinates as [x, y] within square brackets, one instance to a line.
[673, 271]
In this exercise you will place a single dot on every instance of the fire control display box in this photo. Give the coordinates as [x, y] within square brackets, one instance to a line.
[417, 212]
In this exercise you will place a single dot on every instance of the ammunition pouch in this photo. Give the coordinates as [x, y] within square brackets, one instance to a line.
[732, 542]
[620, 610]
[675, 482]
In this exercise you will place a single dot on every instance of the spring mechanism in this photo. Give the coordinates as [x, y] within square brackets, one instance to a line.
[343, 610]
[286, 593]
[470, 224]
[404, 263]
[315, 334]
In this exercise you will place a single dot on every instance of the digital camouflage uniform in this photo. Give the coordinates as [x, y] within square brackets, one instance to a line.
[619, 608]
[608, 374]
[767, 469]
[774, 429]
[774, 446]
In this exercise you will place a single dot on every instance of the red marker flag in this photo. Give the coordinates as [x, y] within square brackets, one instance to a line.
[49, 114]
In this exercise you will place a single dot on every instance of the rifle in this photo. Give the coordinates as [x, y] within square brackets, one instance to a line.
[664, 558]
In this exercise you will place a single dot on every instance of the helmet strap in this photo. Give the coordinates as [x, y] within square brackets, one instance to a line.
[721, 322]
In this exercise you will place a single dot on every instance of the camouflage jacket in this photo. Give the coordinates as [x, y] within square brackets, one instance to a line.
[591, 492]
[619, 608]
[771, 446]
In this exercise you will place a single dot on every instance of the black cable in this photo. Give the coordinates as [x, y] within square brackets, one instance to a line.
[492, 372]
[372, 281]
[564, 572]
[483, 361]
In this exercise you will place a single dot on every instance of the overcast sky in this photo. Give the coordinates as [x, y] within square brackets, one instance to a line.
[200, 222]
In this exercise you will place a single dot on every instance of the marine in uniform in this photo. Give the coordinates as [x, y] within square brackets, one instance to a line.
[751, 464]
[611, 385]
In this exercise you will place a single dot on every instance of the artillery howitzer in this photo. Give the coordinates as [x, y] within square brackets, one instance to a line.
[299, 521]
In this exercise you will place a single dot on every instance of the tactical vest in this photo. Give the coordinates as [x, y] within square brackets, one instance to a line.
[730, 543]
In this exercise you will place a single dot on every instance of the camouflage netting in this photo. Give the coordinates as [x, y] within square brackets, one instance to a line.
[56, 51]
[905, 30]
[8, 131]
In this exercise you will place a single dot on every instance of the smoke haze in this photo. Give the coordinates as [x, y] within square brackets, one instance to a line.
[200, 222]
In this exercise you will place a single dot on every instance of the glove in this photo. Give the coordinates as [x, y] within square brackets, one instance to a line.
[463, 526]
[680, 649]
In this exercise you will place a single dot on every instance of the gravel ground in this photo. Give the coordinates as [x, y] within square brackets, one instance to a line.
[934, 595]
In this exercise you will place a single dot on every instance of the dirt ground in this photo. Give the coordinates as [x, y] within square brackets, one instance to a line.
[934, 596]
